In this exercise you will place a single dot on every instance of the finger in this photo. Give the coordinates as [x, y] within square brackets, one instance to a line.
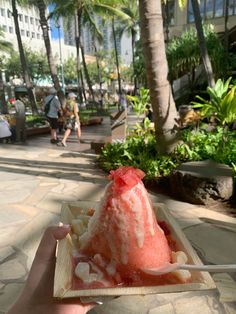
[47, 246]
[44, 261]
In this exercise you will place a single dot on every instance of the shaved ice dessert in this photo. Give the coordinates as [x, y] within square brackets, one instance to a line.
[121, 238]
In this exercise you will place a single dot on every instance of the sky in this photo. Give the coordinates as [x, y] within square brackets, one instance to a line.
[54, 29]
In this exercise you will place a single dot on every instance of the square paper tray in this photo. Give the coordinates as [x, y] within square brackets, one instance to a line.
[63, 271]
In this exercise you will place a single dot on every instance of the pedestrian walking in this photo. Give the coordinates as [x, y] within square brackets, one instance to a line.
[71, 117]
[122, 101]
[52, 107]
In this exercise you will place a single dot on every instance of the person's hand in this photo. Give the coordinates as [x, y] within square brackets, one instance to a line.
[37, 295]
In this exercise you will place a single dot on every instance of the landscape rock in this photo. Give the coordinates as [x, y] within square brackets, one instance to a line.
[199, 182]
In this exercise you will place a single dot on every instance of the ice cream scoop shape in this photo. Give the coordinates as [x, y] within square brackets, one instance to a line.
[123, 229]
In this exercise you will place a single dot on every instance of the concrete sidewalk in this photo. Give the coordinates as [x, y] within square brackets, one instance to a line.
[36, 178]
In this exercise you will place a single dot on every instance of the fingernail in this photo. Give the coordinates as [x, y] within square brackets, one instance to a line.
[67, 226]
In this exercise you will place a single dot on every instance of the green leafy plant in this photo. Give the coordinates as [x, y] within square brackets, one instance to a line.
[35, 121]
[183, 53]
[219, 146]
[145, 130]
[221, 105]
[139, 102]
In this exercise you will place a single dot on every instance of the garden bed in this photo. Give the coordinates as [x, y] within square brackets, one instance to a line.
[37, 130]
[92, 121]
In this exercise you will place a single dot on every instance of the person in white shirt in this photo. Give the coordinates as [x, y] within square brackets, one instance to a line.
[5, 132]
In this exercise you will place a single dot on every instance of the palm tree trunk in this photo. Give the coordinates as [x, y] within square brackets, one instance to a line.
[133, 41]
[166, 12]
[164, 110]
[81, 90]
[202, 44]
[24, 64]
[226, 35]
[81, 48]
[99, 73]
[52, 67]
[87, 73]
[116, 53]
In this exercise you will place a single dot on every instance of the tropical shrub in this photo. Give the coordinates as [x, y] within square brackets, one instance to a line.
[137, 153]
[140, 101]
[222, 103]
[146, 129]
[141, 152]
[183, 53]
[35, 121]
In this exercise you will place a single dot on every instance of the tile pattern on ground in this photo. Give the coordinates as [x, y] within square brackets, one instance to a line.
[35, 180]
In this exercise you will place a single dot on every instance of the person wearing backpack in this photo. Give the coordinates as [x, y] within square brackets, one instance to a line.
[52, 107]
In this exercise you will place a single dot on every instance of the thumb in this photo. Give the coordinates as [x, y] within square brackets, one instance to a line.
[44, 261]
[47, 246]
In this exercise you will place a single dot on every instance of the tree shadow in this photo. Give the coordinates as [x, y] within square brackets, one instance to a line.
[59, 170]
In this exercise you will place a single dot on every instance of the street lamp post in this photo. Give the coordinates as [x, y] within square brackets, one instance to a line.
[61, 61]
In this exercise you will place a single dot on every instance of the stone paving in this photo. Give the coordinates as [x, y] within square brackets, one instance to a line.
[37, 177]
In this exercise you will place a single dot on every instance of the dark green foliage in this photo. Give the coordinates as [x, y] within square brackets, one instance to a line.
[137, 151]
[221, 104]
[35, 121]
[183, 53]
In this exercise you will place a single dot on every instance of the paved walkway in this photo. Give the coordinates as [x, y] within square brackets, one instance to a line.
[36, 178]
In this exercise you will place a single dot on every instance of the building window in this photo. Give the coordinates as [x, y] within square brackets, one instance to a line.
[211, 8]
[31, 21]
[2, 12]
[27, 34]
[9, 14]
[26, 19]
[38, 36]
[232, 7]
[22, 32]
[10, 29]
[219, 8]
[33, 34]
[4, 27]
[20, 17]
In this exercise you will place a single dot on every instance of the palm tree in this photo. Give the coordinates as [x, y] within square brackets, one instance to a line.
[84, 10]
[40, 4]
[23, 60]
[80, 79]
[130, 8]
[116, 55]
[202, 44]
[98, 56]
[226, 35]
[164, 110]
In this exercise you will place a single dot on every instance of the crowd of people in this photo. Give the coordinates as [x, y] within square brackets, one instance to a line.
[62, 120]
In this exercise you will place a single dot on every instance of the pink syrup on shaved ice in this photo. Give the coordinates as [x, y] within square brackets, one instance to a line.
[123, 236]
